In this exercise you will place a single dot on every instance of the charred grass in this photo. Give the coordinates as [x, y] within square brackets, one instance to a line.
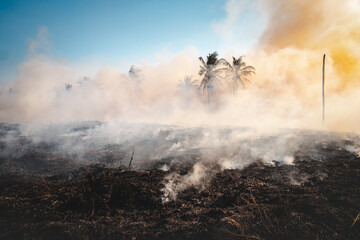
[310, 199]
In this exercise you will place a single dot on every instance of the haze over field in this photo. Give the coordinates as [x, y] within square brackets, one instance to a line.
[179, 119]
[285, 92]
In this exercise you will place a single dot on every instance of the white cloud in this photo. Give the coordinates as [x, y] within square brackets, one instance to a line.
[40, 43]
[225, 27]
[241, 26]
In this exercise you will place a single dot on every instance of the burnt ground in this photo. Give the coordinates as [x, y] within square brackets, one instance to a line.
[315, 198]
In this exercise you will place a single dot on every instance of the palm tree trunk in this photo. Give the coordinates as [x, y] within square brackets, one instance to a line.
[209, 100]
[323, 90]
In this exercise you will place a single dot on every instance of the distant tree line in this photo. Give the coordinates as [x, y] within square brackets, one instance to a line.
[212, 70]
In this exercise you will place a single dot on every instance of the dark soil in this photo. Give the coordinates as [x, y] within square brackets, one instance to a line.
[312, 199]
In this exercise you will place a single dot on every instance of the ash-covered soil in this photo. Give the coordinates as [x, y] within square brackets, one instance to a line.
[45, 194]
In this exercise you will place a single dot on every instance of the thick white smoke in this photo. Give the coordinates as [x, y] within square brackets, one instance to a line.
[285, 93]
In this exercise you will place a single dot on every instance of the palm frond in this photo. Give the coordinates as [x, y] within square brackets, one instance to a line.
[247, 73]
[246, 79]
[237, 61]
[220, 70]
[134, 72]
[188, 83]
[226, 63]
[211, 59]
[202, 70]
[203, 83]
[202, 61]
[249, 68]
[241, 71]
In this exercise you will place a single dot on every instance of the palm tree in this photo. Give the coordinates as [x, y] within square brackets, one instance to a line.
[83, 80]
[68, 86]
[210, 70]
[241, 72]
[187, 84]
[134, 72]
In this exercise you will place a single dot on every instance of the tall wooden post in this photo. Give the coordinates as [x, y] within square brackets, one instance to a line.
[323, 90]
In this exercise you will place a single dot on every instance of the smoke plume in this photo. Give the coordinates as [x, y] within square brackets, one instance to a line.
[284, 93]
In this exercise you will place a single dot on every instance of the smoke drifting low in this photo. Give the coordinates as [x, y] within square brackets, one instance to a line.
[285, 93]
[190, 155]
[296, 35]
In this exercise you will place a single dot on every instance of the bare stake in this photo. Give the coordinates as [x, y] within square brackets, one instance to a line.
[132, 157]
[323, 90]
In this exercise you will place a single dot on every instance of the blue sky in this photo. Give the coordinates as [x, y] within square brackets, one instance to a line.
[132, 30]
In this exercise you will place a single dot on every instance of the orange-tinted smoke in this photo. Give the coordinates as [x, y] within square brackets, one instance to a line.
[331, 26]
